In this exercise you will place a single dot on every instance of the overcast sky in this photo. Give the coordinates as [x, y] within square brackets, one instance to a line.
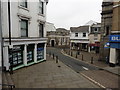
[73, 13]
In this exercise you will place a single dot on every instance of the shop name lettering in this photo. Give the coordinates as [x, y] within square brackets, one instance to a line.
[115, 38]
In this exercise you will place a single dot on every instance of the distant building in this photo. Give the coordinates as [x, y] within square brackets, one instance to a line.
[79, 38]
[50, 26]
[60, 37]
[26, 44]
[106, 27]
[114, 38]
[94, 37]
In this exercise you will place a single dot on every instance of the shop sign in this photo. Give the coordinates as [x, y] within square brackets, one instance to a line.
[114, 38]
[16, 48]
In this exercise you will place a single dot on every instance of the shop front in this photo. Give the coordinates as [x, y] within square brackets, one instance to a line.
[16, 56]
[40, 51]
[114, 50]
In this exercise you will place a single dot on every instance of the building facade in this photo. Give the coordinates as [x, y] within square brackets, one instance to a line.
[106, 27]
[94, 38]
[24, 35]
[79, 39]
[114, 38]
[60, 37]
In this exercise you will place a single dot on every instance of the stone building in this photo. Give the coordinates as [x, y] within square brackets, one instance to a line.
[23, 24]
[115, 36]
[60, 37]
[94, 38]
[106, 27]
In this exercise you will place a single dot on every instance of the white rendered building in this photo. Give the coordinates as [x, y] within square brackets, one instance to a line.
[24, 35]
[79, 37]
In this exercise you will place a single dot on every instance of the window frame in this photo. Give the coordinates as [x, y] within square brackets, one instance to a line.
[25, 4]
[41, 7]
[76, 34]
[26, 29]
[41, 30]
[84, 34]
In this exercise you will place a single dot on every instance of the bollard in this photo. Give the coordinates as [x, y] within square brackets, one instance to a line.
[91, 60]
[56, 59]
[76, 54]
[71, 53]
[53, 55]
[49, 53]
[82, 57]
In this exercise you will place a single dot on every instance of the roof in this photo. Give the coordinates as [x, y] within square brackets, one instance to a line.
[80, 29]
[91, 22]
[96, 25]
[62, 30]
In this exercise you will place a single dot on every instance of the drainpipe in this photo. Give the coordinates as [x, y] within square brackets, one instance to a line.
[10, 48]
[9, 20]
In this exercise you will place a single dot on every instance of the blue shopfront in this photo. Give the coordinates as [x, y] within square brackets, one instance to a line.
[115, 46]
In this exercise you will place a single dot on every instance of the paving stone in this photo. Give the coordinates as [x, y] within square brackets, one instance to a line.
[48, 75]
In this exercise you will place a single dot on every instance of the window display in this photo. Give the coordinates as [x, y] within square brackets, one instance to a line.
[16, 56]
[30, 53]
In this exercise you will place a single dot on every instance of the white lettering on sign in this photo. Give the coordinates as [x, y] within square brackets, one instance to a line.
[116, 38]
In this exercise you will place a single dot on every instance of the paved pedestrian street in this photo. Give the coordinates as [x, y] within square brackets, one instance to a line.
[48, 74]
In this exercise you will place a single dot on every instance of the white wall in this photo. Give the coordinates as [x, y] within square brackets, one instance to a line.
[32, 13]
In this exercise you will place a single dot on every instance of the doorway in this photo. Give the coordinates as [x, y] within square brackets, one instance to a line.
[52, 43]
[118, 56]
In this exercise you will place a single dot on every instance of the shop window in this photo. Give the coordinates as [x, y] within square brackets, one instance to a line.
[23, 3]
[76, 34]
[16, 56]
[40, 52]
[41, 30]
[24, 28]
[41, 7]
[30, 53]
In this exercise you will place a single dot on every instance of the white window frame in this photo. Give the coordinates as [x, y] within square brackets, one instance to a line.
[76, 34]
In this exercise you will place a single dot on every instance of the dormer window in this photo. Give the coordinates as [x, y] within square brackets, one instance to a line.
[23, 3]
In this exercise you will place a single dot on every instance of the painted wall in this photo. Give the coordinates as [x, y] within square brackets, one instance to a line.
[32, 13]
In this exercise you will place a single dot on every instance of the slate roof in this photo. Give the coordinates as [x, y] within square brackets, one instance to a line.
[80, 29]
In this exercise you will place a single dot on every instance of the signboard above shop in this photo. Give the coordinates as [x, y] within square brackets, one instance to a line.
[114, 38]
